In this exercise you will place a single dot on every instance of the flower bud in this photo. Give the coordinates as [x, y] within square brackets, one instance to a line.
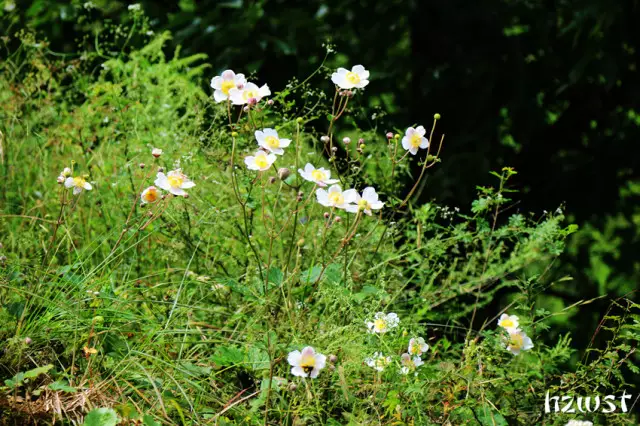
[156, 152]
[333, 359]
[66, 172]
[141, 165]
[270, 102]
[390, 135]
[245, 108]
[299, 120]
[337, 219]
[396, 136]
[332, 367]
[334, 149]
[362, 146]
[360, 141]
[27, 340]
[300, 242]
[325, 139]
[326, 215]
[348, 93]
[272, 179]
[346, 140]
[300, 195]
[436, 116]
[3, 260]
[61, 179]
[292, 386]
[160, 169]
[234, 134]
[283, 173]
[252, 101]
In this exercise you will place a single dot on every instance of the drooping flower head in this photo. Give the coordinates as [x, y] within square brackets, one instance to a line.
[156, 152]
[409, 364]
[335, 197]
[358, 77]
[259, 161]
[518, 341]
[366, 202]
[378, 361]
[321, 176]
[417, 346]
[383, 322]
[307, 363]
[414, 139]
[175, 182]
[226, 81]
[150, 195]
[269, 140]
[508, 322]
[78, 184]
[249, 94]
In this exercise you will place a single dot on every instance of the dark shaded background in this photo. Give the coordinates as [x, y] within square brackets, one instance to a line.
[548, 87]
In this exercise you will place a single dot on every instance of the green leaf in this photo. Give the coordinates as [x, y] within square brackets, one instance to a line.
[31, 374]
[147, 420]
[61, 385]
[101, 417]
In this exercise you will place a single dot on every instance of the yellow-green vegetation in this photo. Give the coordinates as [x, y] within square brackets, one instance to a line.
[190, 309]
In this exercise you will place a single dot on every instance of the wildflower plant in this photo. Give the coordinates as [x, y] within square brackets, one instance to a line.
[203, 251]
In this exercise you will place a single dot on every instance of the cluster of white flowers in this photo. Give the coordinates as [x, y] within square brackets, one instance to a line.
[412, 359]
[233, 87]
[517, 339]
[382, 322]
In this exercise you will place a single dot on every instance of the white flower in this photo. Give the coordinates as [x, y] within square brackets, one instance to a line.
[417, 346]
[226, 81]
[579, 423]
[367, 202]
[135, 6]
[268, 139]
[414, 139]
[383, 322]
[78, 184]
[175, 182]
[320, 176]
[66, 172]
[335, 197]
[307, 363]
[150, 195]
[508, 322]
[9, 6]
[250, 94]
[378, 361]
[518, 341]
[156, 152]
[259, 161]
[409, 364]
[358, 77]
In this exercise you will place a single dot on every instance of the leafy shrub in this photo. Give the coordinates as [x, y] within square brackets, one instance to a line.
[191, 309]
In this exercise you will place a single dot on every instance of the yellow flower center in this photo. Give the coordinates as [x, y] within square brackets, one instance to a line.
[226, 86]
[353, 78]
[516, 341]
[151, 195]
[416, 140]
[307, 363]
[381, 362]
[506, 323]
[272, 141]
[318, 175]
[261, 161]
[380, 324]
[79, 182]
[364, 205]
[415, 349]
[175, 181]
[248, 94]
[336, 198]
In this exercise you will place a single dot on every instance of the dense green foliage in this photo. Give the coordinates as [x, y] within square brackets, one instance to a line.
[185, 311]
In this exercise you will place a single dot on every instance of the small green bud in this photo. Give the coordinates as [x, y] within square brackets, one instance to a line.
[436, 116]
[396, 136]
[234, 134]
[299, 120]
